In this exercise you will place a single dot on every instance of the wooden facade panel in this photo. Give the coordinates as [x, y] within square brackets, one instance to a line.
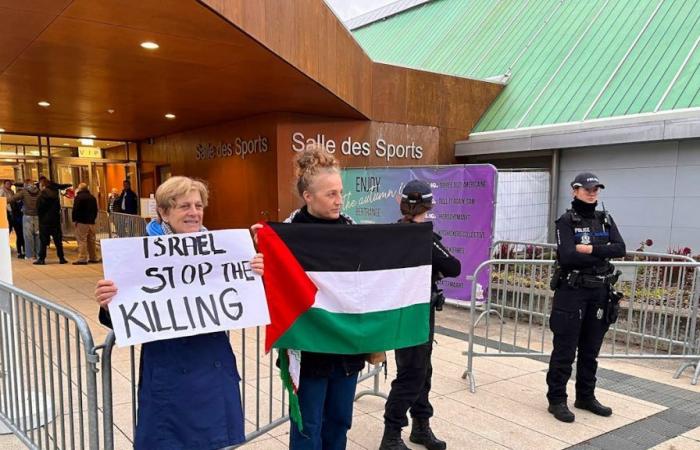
[243, 189]
[388, 93]
[301, 42]
[49, 7]
[185, 18]
[327, 51]
[423, 98]
[278, 16]
[14, 39]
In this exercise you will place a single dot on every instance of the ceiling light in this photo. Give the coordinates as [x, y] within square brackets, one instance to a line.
[44, 104]
[148, 45]
[66, 144]
[86, 142]
[2, 130]
[170, 116]
[111, 111]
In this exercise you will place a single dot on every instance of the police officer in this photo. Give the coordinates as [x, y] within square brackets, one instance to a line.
[410, 389]
[582, 305]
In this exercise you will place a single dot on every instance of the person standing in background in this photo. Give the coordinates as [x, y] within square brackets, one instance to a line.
[28, 196]
[128, 201]
[16, 215]
[49, 208]
[111, 200]
[8, 193]
[84, 215]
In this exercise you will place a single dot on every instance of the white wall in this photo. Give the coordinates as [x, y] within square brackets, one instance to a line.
[652, 189]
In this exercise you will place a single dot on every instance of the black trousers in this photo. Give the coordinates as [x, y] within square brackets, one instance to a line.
[579, 326]
[45, 233]
[19, 235]
[411, 388]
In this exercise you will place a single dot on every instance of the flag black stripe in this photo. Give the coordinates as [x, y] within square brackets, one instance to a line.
[345, 248]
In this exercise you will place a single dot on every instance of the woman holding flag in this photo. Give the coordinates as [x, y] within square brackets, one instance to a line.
[327, 382]
[188, 392]
[411, 388]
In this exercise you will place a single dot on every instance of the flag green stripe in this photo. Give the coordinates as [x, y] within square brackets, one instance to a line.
[321, 331]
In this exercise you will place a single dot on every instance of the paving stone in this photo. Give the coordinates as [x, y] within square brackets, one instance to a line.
[680, 417]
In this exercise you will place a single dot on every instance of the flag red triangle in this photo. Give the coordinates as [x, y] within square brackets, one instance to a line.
[290, 292]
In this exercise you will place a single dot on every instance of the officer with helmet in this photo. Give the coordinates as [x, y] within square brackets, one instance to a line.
[585, 302]
[411, 388]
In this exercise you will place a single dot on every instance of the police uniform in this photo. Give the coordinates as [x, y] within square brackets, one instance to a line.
[411, 388]
[581, 312]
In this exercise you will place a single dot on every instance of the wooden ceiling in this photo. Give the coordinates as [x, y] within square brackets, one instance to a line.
[84, 57]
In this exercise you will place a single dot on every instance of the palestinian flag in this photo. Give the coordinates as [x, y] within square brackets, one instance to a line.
[347, 289]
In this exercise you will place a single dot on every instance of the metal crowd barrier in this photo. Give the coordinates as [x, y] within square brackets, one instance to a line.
[126, 225]
[264, 399]
[48, 373]
[658, 316]
[105, 227]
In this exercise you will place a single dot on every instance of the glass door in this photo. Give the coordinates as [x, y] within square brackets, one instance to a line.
[72, 174]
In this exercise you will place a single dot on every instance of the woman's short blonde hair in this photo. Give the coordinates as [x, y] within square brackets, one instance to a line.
[175, 187]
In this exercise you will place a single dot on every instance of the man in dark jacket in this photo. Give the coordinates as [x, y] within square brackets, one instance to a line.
[48, 207]
[84, 216]
[28, 197]
[127, 202]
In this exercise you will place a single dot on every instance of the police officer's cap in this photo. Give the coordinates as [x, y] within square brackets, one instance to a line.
[417, 191]
[586, 180]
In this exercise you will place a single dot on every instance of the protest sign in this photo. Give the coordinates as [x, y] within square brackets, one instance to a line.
[182, 284]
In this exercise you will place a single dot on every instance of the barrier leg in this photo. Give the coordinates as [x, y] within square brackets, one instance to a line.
[375, 388]
[687, 365]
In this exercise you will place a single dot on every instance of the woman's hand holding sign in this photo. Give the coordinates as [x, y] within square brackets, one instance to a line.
[257, 264]
[104, 292]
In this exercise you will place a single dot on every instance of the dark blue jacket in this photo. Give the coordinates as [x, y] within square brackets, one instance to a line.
[131, 202]
[189, 396]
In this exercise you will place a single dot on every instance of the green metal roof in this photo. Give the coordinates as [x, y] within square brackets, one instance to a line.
[568, 60]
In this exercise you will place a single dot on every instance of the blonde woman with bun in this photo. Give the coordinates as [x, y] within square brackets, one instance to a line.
[327, 382]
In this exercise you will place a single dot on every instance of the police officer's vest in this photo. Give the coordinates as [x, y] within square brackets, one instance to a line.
[590, 230]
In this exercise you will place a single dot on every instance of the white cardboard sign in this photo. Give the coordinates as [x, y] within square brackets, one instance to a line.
[182, 285]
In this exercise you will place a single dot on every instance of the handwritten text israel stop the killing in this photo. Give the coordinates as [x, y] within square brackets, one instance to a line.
[182, 284]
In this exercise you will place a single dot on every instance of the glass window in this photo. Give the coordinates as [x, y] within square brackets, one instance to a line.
[64, 152]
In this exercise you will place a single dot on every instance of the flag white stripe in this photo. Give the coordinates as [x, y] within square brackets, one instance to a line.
[371, 291]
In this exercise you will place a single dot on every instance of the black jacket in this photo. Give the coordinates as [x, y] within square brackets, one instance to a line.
[580, 227]
[130, 202]
[48, 207]
[84, 208]
[322, 364]
[444, 264]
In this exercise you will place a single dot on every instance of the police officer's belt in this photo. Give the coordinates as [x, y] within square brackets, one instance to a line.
[576, 279]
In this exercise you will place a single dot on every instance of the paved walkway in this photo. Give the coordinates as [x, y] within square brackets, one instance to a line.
[651, 410]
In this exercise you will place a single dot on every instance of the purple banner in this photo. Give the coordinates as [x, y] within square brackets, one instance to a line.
[463, 211]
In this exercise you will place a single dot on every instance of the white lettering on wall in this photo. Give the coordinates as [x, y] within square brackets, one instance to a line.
[350, 147]
[241, 148]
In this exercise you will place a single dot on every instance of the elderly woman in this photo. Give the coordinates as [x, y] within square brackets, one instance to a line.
[188, 394]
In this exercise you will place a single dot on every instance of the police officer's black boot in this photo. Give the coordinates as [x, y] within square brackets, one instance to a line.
[562, 412]
[594, 406]
[391, 440]
[422, 434]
